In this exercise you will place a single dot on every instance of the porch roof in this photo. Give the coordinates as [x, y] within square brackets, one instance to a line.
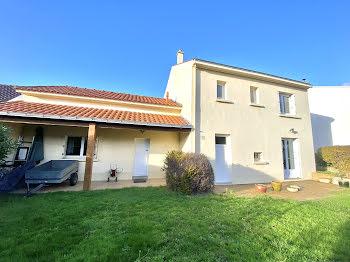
[87, 114]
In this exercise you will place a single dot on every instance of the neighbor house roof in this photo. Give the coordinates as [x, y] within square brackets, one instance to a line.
[40, 110]
[93, 93]
[7, 92]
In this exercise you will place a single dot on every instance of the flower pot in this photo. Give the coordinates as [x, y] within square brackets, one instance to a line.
[343, 183]
[260, 188]
[277, 186]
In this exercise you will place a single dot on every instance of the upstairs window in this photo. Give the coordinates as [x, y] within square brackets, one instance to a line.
[221, 90]
[254, 99]
[287, 104]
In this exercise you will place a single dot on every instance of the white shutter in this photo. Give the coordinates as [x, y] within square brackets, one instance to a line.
[96, 144]
[292, 105]
[64, 146]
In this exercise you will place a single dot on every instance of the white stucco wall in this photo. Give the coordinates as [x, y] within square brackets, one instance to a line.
[180, 90]
[114, 146]
[330, 111]
[253, 129]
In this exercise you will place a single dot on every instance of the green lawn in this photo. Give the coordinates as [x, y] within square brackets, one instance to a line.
[153, 224]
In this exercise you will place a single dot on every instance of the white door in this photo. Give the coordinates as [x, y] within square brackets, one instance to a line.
[291, 158]
[141, 157]
[223, 159]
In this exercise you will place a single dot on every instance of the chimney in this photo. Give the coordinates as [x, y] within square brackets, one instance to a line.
[167, 96]
[180, 57]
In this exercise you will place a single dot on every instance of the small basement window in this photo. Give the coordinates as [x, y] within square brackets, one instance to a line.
[221, 90]
[257, 157]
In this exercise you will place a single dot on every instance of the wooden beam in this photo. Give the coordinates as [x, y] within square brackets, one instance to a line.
[76, 123]
[42, 121]
[89, 156]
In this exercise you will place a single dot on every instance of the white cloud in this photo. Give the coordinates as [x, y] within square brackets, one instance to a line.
[346, 84]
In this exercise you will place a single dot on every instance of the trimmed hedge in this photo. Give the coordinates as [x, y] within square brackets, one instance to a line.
[335, 156]
[188, 173]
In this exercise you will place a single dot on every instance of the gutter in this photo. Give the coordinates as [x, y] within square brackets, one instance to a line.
[93, 119]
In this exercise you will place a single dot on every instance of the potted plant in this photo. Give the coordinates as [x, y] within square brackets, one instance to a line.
[260, 188]
[277, 186]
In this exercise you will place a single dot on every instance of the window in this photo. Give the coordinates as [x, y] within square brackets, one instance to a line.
[220, 91]
[257, 157]
[76, 146]
[220, 140]
[254, 99]
[287, 104]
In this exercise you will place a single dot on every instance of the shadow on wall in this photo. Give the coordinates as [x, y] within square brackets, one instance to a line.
[247, 175]
[321, 130]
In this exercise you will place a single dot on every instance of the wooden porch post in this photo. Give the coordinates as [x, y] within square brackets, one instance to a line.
[89, 156]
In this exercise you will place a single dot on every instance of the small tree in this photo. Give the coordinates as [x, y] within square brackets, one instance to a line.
[7, 143]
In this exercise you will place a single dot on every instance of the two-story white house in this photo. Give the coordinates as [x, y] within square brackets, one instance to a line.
[252, 126]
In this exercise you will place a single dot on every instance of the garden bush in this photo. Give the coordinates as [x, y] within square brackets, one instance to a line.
[7, 143]
[188, 172]
[335, 156]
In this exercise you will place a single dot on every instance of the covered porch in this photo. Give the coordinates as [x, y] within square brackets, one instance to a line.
[97, 146]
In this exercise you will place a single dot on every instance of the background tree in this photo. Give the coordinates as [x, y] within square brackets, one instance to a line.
[7, 143]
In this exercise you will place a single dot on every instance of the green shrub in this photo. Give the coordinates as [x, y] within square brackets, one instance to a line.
[335, 156]
[188, 172]
[7, 143]
[319, 160]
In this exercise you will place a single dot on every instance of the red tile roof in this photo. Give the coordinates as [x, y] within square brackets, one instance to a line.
[77, 91]
[87, 112]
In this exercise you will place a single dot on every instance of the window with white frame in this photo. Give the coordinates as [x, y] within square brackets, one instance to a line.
[258, 157]
[221, 90]
[287, 104]
[76, 146]
[254, 98]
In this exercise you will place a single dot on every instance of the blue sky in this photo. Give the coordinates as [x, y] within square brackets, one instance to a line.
[131, 46]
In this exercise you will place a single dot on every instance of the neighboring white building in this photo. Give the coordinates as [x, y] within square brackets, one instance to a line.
[330, 111]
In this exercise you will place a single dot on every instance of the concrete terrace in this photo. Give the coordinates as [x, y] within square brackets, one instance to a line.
[309, 189]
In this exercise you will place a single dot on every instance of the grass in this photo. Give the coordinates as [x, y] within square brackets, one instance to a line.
[153, 224]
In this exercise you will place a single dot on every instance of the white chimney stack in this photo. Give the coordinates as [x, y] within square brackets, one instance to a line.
[180, 57]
